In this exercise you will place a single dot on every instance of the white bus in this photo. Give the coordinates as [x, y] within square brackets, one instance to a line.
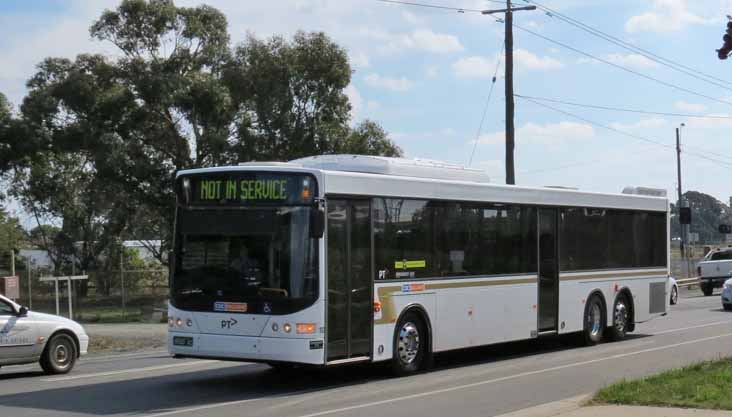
[342, 258]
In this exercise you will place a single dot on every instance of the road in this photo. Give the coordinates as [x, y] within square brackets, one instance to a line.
[477, 382]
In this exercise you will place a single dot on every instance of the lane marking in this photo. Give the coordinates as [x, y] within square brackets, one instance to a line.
[128, 371]
[203, 407]
[510, 377]
[681, 329]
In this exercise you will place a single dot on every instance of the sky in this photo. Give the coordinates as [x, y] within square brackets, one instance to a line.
[425, 75]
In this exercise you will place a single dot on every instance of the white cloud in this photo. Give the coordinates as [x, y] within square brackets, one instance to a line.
[666, 16]
[359, 60]
[527, 60]
[427, 40]
[631, 60]
[485, 67]
[690, 107]
[354, 97]
[547, 134]
[643, 124]
[418, 39]
[431, 72]
[475, 67]
[401, 84]
[411, 18]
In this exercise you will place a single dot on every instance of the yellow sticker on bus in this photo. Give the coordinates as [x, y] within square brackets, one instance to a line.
[409, 264]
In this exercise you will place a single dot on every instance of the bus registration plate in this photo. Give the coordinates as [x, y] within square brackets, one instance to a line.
[182, 341]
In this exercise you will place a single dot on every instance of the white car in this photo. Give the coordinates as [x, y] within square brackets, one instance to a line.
[727, 295]
[26, 336]
[674, 290]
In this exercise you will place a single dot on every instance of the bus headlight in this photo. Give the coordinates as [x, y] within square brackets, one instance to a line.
[189, 322]
[170, 322]
[179, 322]
[287, 328]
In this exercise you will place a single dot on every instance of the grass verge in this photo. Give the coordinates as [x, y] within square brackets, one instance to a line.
[706, 385]
[106, 344]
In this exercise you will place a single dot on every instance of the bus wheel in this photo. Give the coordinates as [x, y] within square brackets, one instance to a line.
[707, 289]
[621, 317]
[410, 345]
[594, 321]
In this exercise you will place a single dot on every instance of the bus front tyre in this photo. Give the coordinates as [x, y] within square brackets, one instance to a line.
[410, 345]
[594, 321]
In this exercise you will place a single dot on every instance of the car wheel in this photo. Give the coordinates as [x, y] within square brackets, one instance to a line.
[594, 321]
[621, 317]
[410, 345]
[707, 290]
[674, 295]
[59, 356]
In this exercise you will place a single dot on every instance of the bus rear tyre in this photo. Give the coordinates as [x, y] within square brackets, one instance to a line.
[594, 321]
[621, 318]
[410, 345]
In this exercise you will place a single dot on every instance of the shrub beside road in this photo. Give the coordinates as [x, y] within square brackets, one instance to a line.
[705, 385]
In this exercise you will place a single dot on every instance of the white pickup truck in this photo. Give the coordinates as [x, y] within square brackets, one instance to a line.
[714, 269]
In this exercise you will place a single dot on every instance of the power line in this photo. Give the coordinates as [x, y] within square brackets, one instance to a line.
[566, 46]
[630, 135]
[485, 109]
[626, 110]
[612, 64]
[692, 72]
[435, 6]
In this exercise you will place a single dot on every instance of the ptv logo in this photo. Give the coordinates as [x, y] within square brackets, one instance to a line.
[228, 324]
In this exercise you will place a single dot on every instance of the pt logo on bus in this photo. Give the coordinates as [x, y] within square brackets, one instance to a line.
[228, 324]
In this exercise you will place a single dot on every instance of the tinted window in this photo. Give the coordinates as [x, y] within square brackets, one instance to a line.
[721, 256]
[601, 239]
[420, 238]
[6, 309]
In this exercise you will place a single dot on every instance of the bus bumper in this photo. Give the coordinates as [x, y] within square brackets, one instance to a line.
[247, 348]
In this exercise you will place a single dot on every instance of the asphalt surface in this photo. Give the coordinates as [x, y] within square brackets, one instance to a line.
[476, 382]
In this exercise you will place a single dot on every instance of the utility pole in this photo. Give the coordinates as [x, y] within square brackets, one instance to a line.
[678, 182]
[510, 131]
[12, 262]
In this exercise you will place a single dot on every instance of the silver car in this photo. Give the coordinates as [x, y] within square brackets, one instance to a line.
[26, 336]
[727, 295]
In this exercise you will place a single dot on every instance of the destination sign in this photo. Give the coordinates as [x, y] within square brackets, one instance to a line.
[249, 188]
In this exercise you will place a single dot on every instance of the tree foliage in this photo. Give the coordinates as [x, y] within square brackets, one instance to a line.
[98, 139]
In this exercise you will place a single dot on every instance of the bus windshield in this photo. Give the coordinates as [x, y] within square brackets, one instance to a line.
[245, 258]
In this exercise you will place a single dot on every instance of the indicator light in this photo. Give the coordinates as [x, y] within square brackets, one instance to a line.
[305, 328]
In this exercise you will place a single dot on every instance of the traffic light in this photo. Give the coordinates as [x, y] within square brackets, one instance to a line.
[685, 215]
[725, 229]
[726, 48]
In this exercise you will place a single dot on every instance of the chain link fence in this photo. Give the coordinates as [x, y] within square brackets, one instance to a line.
[104, 297]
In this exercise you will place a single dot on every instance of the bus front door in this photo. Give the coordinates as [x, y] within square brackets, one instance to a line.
[349, 279]
[548, 271]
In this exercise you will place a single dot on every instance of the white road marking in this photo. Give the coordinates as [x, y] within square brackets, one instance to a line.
[203, 407]
[681, 329]
[128, 371]
[515, 376]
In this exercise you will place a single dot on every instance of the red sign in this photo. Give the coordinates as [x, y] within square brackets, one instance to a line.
[11, 287]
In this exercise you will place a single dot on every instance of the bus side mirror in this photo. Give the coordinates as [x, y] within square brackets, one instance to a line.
[317, 222]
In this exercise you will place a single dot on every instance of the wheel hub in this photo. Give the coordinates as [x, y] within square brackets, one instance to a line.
[595, 319]
[621, 316]
[61, 355]
[408, 345]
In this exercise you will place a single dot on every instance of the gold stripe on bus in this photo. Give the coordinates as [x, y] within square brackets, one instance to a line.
[386, 294]
[618, 275]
